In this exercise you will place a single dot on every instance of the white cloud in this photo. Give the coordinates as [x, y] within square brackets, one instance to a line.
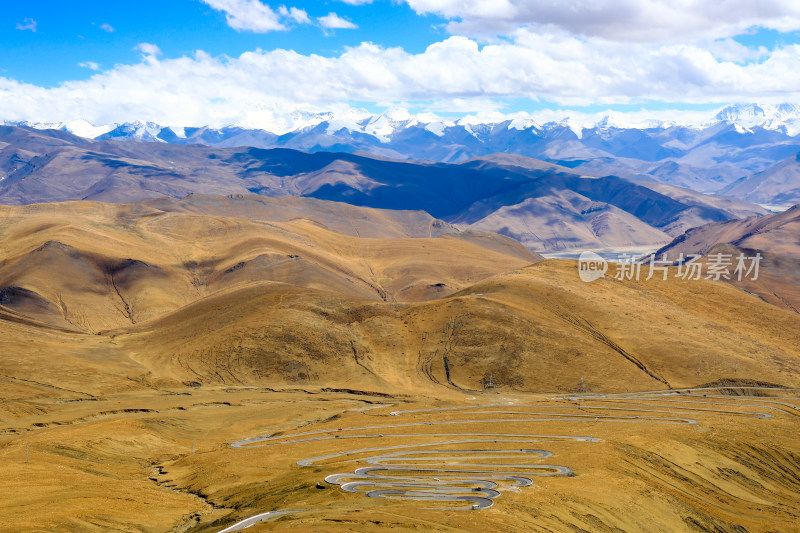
[639, 118]
[464, 105]
[106, 27]
[90, 65]
[148, 49]
[332, 21]
[27, 24]
[298, 15]
[257, 17]
[248, 15]
[278, 89]
[618, 20]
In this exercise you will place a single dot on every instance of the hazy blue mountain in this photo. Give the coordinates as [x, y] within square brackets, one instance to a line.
[779, 185]
[544, 205]
[739, 141]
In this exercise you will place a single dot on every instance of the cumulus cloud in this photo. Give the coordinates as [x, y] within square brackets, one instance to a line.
[91, 65]
[27, 24]
[148, 49]
[332, 21]
[482, 106]
[106, 27]
[248, 15]
[618, 20]
[277, 89]
[298, 15]
[255, 16]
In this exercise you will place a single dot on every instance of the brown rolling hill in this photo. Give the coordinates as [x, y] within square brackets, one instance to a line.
[140, 340]
[778, 233]
[191, 296]
[95, 266]
[776, 238]
[534, 329]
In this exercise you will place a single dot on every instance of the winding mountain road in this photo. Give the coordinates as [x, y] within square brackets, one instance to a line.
[470, 470]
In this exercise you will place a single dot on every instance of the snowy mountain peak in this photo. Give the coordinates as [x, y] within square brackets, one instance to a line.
[135, 131]
[781, 117]
[749, 115]
[743, 118]
[84, 128]
[79, 127]
[577, 126]
[384, 125]
[522, 124]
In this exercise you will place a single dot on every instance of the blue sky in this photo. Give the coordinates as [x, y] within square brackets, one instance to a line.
[195, 62]
[70, 33]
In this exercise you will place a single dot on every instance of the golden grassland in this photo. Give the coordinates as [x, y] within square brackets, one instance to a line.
[138, 344]
[161, 461]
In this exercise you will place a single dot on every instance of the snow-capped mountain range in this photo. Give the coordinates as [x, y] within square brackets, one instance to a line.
[783, 117]
[706, 155]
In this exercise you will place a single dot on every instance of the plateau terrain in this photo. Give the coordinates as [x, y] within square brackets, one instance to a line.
[518, 266]
[775, 239]
[545, 206]
[211, 363]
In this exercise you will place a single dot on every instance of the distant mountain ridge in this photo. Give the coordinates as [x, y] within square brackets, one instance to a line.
[776, 238]
[544, 206]
[782, 117]
[779, 184]
[737, 142]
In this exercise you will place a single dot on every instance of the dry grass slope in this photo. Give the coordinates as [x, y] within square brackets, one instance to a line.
[101, 266]
[139, 341]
